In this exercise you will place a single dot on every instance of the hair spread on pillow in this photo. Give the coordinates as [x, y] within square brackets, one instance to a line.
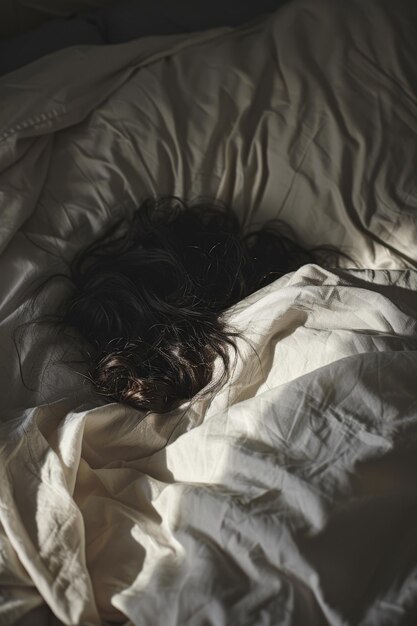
[149, 297]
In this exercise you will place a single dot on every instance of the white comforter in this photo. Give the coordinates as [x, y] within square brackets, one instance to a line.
[291, 497]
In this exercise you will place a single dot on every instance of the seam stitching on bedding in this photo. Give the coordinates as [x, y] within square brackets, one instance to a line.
[217, 34]
[32, 123]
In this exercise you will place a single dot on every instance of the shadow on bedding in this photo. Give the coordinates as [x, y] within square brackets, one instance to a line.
[320, 511]
[367, 549]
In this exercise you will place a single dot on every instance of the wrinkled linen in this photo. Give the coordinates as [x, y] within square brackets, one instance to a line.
[308, 116]
[290, 497]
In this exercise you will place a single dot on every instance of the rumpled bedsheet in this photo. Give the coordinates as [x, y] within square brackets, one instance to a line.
[290, 497]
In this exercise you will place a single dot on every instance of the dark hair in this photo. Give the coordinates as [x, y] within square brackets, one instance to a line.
[150, 294]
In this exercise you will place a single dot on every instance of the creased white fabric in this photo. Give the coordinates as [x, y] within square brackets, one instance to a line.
[290, 498]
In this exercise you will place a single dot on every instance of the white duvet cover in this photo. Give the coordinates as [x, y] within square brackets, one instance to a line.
[289, 498]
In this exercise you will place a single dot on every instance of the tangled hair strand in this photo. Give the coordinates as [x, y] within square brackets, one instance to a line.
[149, 297]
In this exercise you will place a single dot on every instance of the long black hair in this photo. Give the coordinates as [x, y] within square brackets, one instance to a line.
[148, 297]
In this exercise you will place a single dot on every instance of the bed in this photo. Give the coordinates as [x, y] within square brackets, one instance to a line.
[290, 497]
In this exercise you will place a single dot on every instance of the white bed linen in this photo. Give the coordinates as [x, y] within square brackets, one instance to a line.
[291, 498]
[263, 117]
[288, 499]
